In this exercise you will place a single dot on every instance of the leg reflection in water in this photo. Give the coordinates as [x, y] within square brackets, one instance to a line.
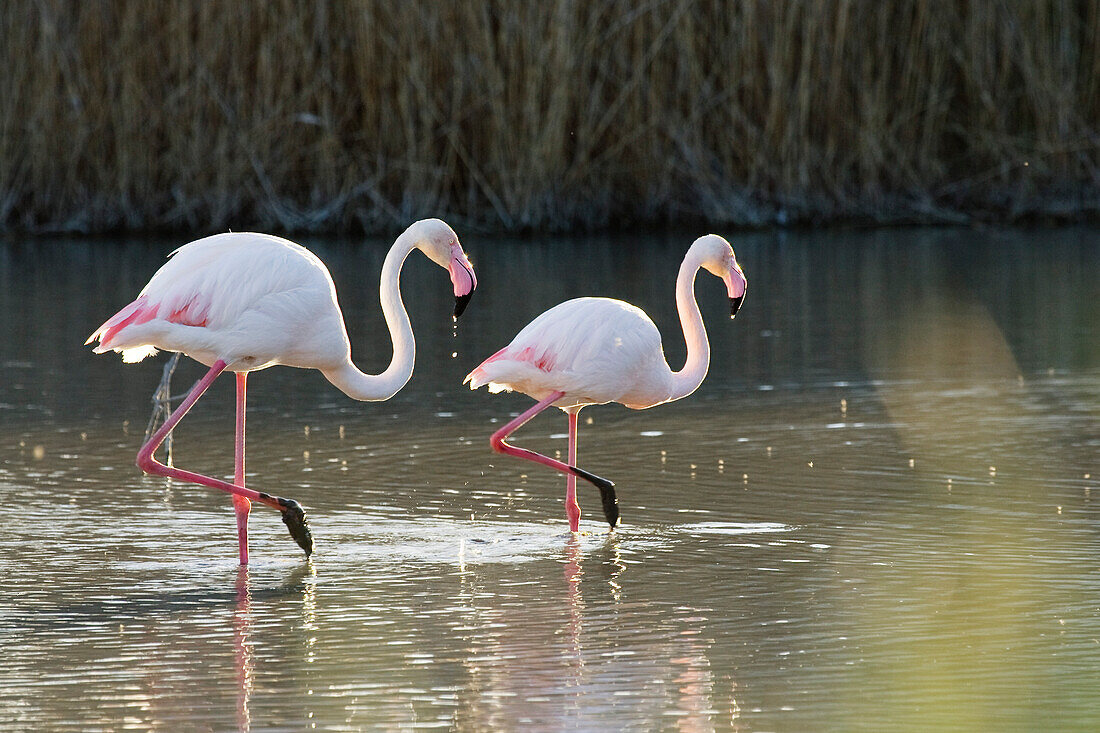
[242, 642]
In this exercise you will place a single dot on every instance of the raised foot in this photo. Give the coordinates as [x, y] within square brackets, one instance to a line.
[295, 520]
[607, 494]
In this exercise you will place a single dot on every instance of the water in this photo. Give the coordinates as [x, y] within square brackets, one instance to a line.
[878, 512]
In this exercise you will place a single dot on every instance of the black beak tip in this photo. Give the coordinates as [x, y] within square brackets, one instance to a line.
[461, 301]
[735, 305]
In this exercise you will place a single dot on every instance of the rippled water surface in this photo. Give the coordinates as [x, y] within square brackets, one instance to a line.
[878, 513]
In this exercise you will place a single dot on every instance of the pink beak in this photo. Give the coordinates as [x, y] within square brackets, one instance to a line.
[464, 281]
[736, 285]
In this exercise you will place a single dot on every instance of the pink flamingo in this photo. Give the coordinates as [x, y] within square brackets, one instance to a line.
[590, 351]
[243, 302]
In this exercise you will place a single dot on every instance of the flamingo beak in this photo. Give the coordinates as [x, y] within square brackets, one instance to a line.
[464, 281]
[736, 285]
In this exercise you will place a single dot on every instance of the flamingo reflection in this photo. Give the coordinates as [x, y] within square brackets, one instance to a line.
[579, 656]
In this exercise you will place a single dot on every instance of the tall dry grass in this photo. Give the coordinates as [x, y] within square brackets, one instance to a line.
[552, 114]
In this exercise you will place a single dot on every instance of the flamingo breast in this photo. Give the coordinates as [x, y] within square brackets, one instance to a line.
[595, 350]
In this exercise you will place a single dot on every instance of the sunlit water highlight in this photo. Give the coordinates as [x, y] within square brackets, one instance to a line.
[876, 514]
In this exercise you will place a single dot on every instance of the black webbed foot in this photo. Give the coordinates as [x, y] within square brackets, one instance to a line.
[607, 494]
[295, 520]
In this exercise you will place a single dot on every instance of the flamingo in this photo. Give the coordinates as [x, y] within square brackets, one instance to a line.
[591, 351]
[241, 302]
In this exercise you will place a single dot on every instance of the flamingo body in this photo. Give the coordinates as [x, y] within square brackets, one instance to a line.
[596, 350]
[252, 300]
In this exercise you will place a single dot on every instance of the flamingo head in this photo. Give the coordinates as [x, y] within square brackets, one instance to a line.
[440, 243]
[717, 258]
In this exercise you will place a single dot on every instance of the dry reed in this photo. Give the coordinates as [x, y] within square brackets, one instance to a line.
[512, 115]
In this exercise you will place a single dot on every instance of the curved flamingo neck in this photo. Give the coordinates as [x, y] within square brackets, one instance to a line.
[347, 377]
[688, 379]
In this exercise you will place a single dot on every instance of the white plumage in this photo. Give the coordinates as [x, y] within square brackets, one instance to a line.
[599, 350]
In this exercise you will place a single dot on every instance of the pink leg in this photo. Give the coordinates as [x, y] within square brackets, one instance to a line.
[240, 503]
[497, 441]
[607, 489]
[292, 511]
[572, 508]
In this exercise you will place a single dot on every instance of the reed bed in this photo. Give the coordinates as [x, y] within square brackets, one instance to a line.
[550, 115]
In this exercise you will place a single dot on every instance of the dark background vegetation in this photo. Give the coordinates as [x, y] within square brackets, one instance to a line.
[572, 114]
